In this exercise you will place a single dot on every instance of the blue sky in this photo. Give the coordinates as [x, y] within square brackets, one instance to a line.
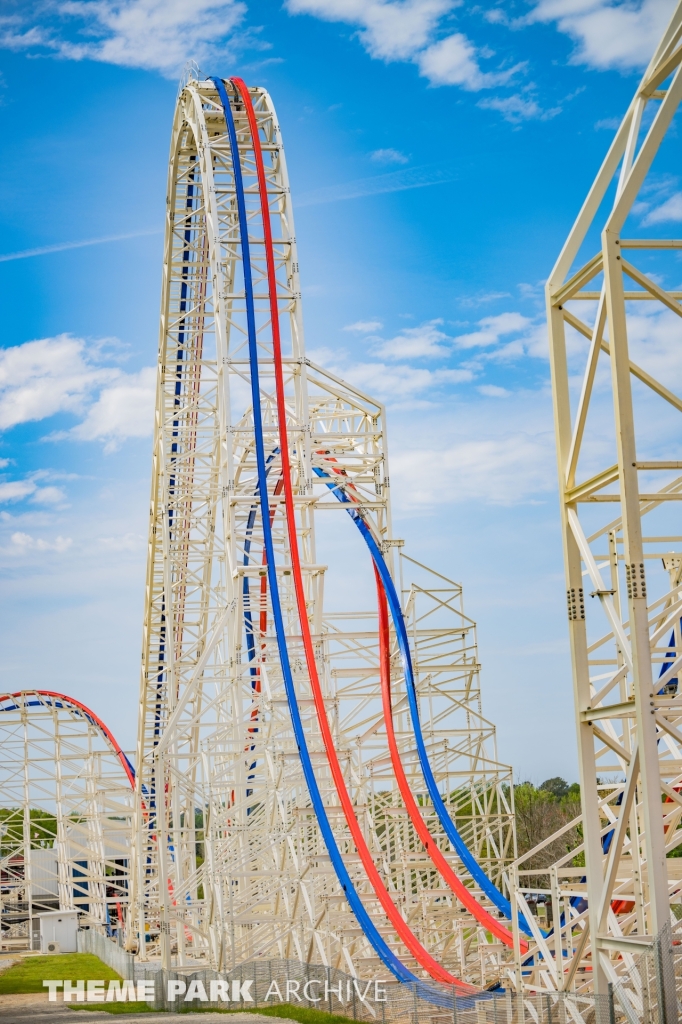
[438, 154]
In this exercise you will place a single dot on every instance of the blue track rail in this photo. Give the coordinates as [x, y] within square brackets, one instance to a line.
[471, 864]
[383, 951]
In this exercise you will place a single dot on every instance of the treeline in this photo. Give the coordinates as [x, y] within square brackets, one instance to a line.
[42, 830]
[540, 812]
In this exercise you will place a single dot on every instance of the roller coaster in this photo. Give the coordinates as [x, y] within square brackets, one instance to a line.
[335, 818]
[320, 784]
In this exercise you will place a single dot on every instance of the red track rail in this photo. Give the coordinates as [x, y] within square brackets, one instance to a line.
[106, 732]
[463, 894]
[408, 937]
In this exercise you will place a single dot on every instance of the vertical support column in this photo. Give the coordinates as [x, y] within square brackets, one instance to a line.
[642, 680]
[162, 845]
[587, 764]
[28, 873]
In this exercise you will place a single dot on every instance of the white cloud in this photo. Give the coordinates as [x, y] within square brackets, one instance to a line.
[610, 124]
[158, 35]
[49, 496]
[127, 542]
[123, 410]
[15, 37]
[42, 378]
[44, 250]
[453, 61]
[378, 184]
[406, 30]
[479, 298]
[517, 108]
[388, 30]
[324, 356]
[389, 156]
[655, 342]
[496, 16]
[502, 469]
[536, 341]
[399, 383]
[365, 326]
[670, 210]
[533, 342]
[608, 35]
[424, 342]
[502, 338]
[24, 542]
[15, 490]
[492, 328]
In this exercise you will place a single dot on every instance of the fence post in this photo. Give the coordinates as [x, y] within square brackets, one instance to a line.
[612, 1006]
[660, 980]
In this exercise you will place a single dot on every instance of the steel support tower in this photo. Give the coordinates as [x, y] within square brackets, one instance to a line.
[310, 785]
[618, 443]
[66, 802]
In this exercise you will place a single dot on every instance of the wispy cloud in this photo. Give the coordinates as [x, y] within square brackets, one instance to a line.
[423, 342]
[388, 31]
[479, 298]
[609, 124]
[402, 382]
[394, 181]
[517, 108]
[364, 326]
[477, 456]
[607, 35]
[159, 35]
[453, 61]
[43, 250]
[18, 490]
[491, 329]
[670, 210]
[24, 542]
[408, 30]
[389, 156]
[64, 375]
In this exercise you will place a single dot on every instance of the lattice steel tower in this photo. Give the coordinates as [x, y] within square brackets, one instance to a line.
[303, 778]
[623, 570]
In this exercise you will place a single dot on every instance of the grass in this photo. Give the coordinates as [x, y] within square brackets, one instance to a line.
[114, 1007]
[28, 975]
[302, 1014]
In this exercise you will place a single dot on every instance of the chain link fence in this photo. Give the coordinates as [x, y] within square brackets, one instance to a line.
[273, 982]
[646, 989]
[649, 989]
[91, 941]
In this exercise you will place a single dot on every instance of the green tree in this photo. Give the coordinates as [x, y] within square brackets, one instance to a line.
[539, 814]
[557, 786]
[43, 828]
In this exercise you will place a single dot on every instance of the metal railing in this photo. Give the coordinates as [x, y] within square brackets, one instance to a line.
[649, 993]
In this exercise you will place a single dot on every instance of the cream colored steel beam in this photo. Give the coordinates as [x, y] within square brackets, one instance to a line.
[637, 725]
[218, 759]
